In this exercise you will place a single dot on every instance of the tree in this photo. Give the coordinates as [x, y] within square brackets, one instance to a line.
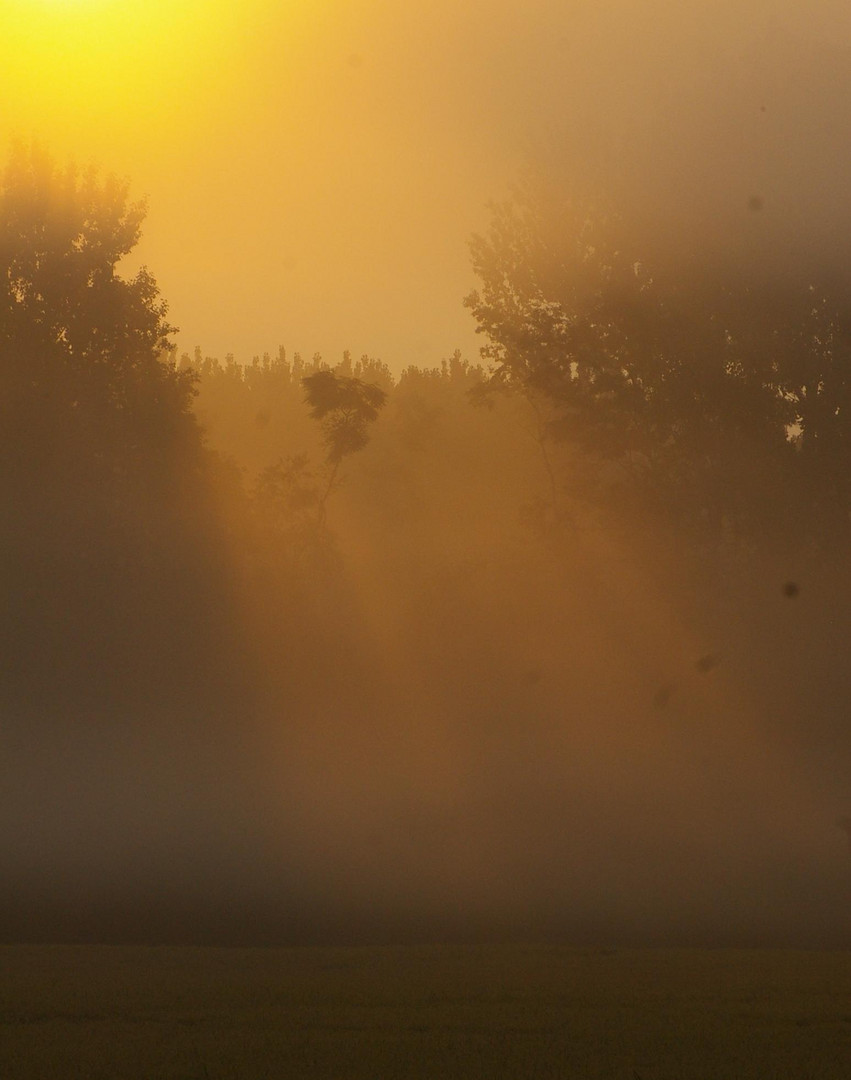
[87, 401]
[345, 406]
[569, 315]
[674, 378]
[107, 529]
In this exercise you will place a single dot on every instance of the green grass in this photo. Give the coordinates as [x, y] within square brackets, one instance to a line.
[116, 1013]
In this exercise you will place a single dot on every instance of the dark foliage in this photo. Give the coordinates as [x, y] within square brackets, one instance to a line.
[720, 401]
[346, 407]
[108, 534]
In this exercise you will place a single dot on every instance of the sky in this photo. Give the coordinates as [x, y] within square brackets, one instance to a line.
[315, 168]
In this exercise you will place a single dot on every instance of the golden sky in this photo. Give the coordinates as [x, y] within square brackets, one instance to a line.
[315, 167]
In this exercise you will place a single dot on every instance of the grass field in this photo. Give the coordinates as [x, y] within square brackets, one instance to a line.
[537, 1011]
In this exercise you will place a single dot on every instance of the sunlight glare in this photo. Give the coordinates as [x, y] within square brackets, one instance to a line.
[103, 70]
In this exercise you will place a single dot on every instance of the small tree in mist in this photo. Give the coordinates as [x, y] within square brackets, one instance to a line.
[286, 500]
[345, 407]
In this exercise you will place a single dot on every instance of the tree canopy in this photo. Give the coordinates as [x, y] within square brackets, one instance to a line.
[102, 463]
[717, 396]
[86, 396]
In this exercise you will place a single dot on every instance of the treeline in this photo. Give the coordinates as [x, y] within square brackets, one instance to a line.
[712, 403]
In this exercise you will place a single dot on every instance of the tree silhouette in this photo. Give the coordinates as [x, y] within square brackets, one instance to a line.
[345, 406]
[87, 402]
[106, 528]
[683, 380]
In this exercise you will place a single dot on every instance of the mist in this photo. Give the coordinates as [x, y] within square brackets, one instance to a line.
[536, 653]
[441, 724]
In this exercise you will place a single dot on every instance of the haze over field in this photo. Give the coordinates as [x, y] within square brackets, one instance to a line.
[409, 645]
